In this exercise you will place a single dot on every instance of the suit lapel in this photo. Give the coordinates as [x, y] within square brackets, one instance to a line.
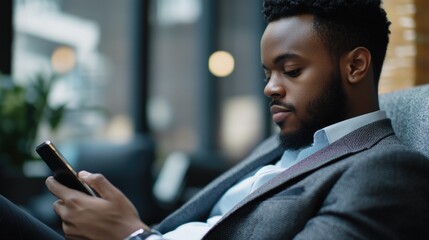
[200, 206]
[359, 140]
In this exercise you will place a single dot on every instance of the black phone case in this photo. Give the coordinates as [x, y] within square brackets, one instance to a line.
[63, 172]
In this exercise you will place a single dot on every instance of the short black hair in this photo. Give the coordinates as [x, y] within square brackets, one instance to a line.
[342, 25]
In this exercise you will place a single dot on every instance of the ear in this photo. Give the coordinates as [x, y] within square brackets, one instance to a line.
[357, 64]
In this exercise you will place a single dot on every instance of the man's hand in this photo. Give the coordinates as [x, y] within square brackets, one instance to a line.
[112, 216]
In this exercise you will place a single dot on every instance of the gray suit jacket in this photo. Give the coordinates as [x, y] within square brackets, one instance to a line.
[366, 185]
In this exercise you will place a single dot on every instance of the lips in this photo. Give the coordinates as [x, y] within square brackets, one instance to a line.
[280, 113]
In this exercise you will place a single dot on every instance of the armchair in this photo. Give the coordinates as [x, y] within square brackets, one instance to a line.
[409, 111]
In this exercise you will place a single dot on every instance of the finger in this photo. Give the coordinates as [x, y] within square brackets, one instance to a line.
[68, 227]
[59, 190]
[55, 187]
[61, 210]
[84, 174]
[58, 207]
[100, 184]
[69, 232]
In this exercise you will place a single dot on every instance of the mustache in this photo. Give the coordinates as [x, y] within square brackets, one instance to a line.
[288, 106]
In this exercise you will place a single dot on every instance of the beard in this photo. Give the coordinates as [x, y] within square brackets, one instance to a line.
[327, 109]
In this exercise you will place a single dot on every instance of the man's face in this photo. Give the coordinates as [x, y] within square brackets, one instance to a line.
[303, 82]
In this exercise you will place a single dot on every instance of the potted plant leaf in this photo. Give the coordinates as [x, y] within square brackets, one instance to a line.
[23, 109]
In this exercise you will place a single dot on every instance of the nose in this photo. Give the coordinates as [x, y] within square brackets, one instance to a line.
[274, 88]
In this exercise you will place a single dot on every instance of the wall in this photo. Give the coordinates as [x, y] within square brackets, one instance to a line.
[407, 60]
[422, 41]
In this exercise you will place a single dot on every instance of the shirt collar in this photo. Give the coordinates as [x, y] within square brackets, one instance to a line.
[338, 130]
[328, 135]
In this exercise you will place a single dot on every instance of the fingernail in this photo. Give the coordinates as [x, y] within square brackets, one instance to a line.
[48, 179]
[84, 174]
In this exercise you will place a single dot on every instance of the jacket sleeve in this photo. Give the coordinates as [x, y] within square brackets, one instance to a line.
[385, 196]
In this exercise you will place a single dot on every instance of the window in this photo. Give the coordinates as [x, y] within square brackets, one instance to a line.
[190, 108]
[90, 44]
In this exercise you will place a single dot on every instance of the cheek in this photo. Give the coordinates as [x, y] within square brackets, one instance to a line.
[301, 106]
[299, 100]
[309, 87]
[303, 99]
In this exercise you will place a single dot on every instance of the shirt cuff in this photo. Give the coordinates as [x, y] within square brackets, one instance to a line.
[142, 234]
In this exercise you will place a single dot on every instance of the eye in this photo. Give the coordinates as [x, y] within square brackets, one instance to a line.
[266, 80]
[267, 76]
[293, 73]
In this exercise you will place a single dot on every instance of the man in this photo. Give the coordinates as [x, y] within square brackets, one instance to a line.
[337, 171]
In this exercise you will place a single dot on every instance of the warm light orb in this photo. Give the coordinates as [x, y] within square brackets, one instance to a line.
[63, 59]
[221, 64]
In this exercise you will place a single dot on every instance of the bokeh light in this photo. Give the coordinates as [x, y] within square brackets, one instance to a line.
[221, 64]
[63, 59]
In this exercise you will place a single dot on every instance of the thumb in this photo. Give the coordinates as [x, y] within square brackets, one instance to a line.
[100, 184]
[84, 174]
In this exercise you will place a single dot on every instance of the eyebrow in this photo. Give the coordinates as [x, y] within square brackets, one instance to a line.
[282, 58]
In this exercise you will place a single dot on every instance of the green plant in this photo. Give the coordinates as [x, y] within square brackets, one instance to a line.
[23, 108]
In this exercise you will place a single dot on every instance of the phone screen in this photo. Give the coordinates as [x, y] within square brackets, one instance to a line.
[63, 171]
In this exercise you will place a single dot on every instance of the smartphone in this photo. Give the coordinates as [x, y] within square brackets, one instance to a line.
[63, 171]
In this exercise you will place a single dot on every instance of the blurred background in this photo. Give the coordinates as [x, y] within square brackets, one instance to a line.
[158, 95]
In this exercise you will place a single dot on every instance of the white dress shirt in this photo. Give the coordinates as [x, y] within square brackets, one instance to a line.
[321, 139]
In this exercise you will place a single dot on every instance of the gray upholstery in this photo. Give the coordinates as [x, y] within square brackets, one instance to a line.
[409, 111]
